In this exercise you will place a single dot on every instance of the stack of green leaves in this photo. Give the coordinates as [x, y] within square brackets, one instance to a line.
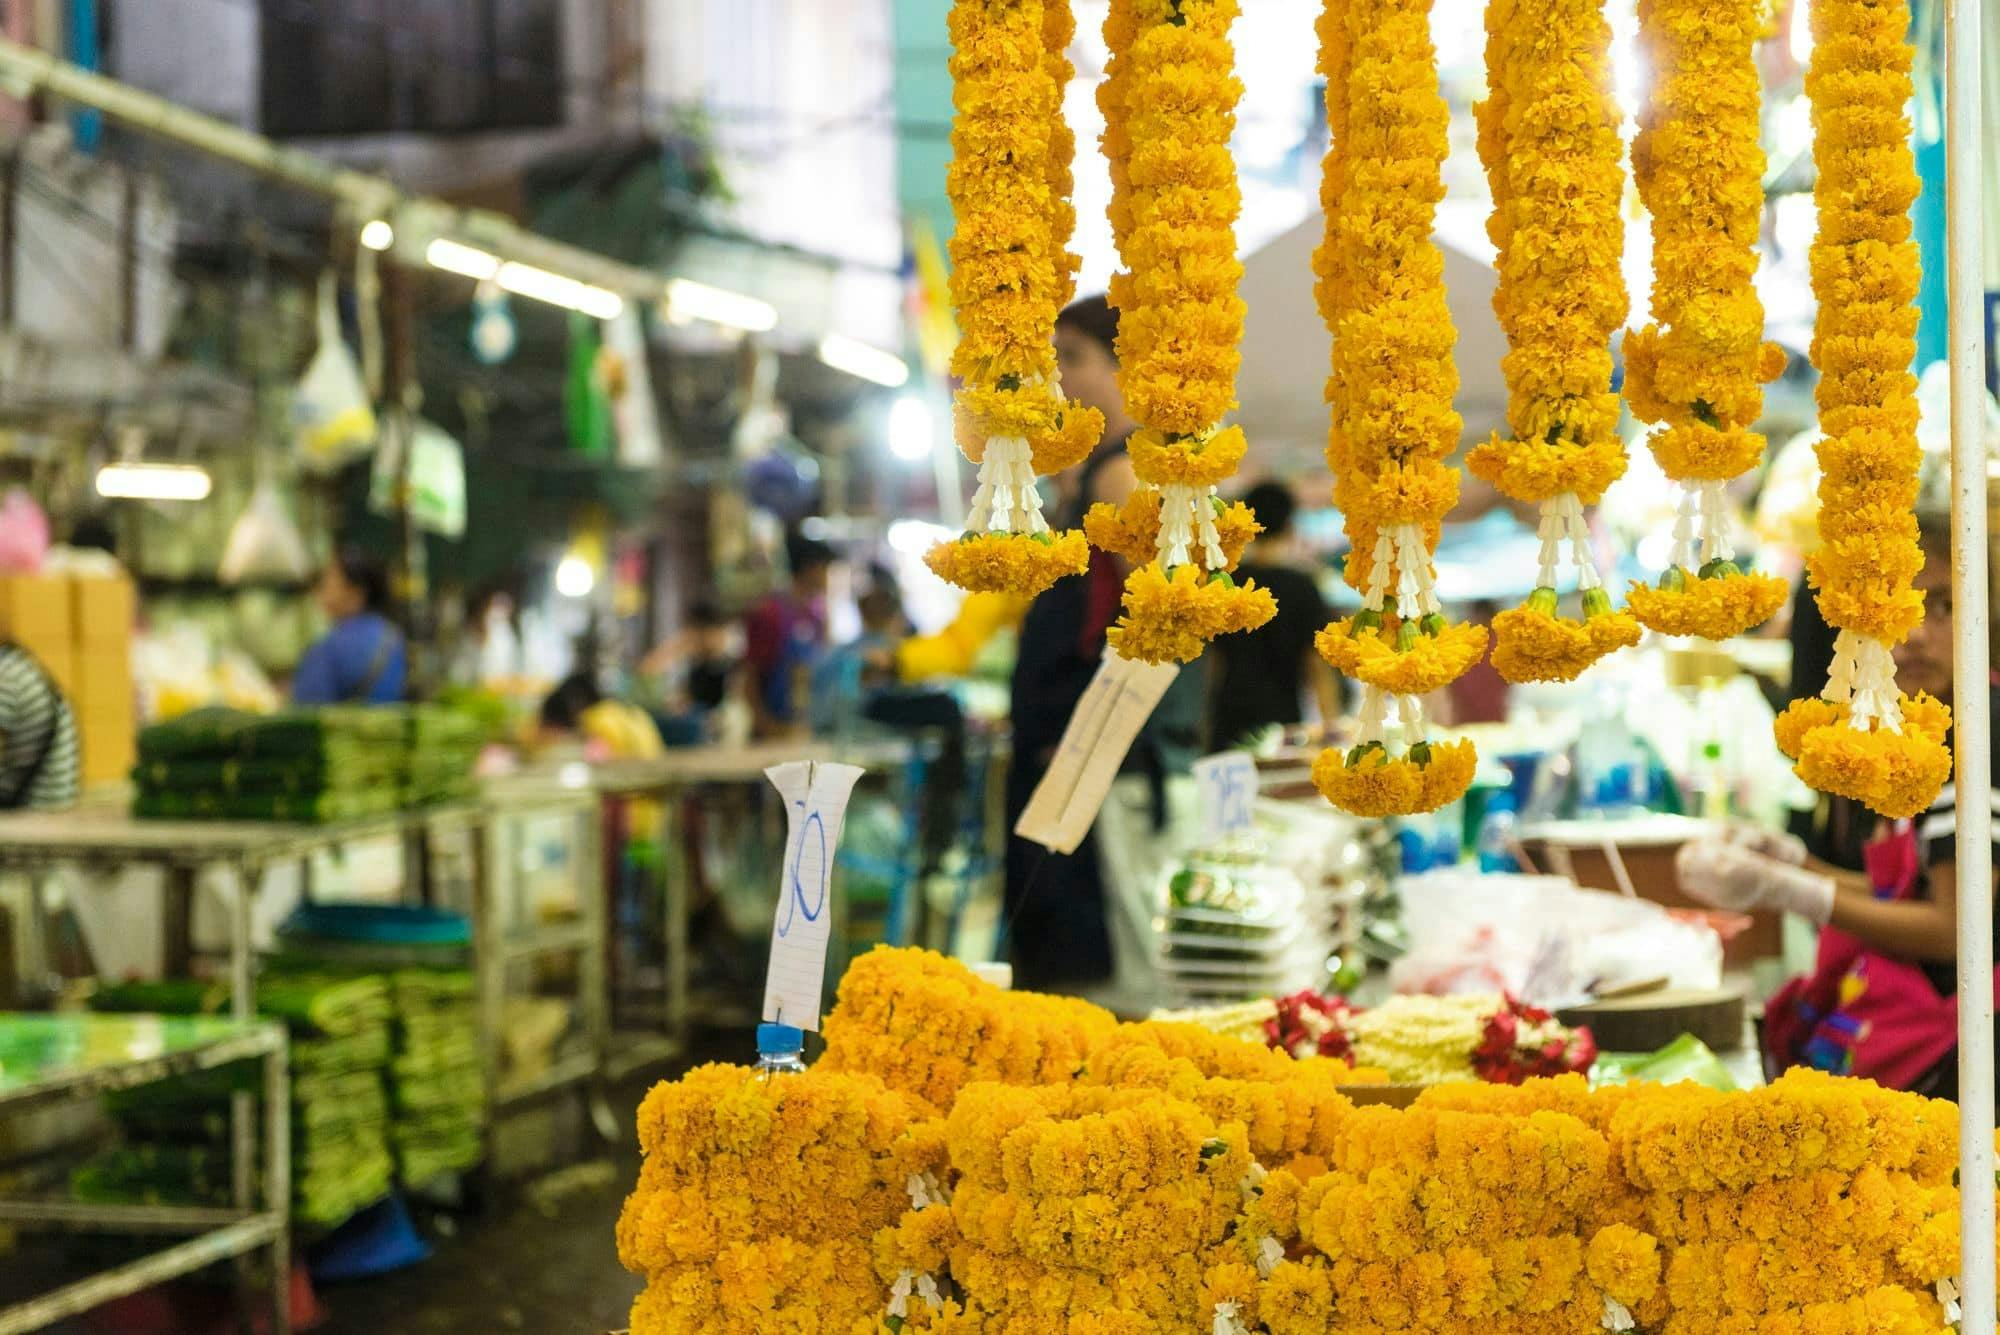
[437, 1091]
[338, 762]
[444, 747]
[174, 1135]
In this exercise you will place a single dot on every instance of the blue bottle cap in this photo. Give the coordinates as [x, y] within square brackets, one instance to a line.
[777, 1039]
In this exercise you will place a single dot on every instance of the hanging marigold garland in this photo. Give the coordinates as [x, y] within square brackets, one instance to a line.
[1012, 272]
[1698, 371]
[1170, 106]
[1381, 291]
[1548, 135]
[1862, 738]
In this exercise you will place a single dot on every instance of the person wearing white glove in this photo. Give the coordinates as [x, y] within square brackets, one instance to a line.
[1910, 918]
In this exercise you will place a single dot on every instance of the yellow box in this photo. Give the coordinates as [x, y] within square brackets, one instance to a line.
[106, 714]
[61, 665]
[103, 609]
[35, 613]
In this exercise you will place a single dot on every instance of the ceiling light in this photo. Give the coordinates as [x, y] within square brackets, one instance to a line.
[541, 285]
[469, 261]
[153, 482]
[688, 301]
[378, 235]
[860, 359]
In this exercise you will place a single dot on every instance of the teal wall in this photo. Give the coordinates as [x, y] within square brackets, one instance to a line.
[923, 110]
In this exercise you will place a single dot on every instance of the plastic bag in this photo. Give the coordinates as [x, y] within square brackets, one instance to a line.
[330, 410]
[437, 481]
[264, 544]
[1542, 938]
[1685, 1059]
[24, 533]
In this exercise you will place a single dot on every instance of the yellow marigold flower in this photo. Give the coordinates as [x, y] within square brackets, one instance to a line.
[1298, 1298]
[1421, 491]
[1415, 662]
[1235, 1284]
[1533, 472]
[1696, 451]
[1375, 785]
[1712, 607]
[1803, 716]
[1012, 270]
[1172, 618]
[1532, 643]
[1162, 462]
[1894, 774]
[1009, 562]
[1625, 1263]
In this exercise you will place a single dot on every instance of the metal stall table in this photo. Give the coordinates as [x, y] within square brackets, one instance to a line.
[504, 937]
[50, 1058]
[669, 780]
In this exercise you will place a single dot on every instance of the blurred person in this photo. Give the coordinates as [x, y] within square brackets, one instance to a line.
[1086, 342]
[847, 678]
[1480, 694]
[1055, 926]
[694, 673]
[783, 636]
[1881, 1000]
[360, 661]
[609, 728]
[38, 740]
[1262, 676]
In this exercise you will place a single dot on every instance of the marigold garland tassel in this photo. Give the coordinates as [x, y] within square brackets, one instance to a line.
[1698, 371]
[1011, 272]
[1863, 739]
[1381, 292]
[1548, 135]
[1169, 101]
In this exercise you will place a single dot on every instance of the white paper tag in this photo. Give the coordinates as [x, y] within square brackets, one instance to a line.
[1228, 784]
[815, 796]
[1119, 700]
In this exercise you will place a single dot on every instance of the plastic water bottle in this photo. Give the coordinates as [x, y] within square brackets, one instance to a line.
[780, 1050]
[1496, 834]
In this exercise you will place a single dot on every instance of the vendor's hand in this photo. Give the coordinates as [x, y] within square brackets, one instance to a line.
[1788, 849]
[1725, 875]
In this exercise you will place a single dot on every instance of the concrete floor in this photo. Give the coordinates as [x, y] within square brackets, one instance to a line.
[544, 1263]
[539, 1257]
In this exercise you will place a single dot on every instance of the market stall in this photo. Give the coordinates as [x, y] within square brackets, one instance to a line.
[48, 1059]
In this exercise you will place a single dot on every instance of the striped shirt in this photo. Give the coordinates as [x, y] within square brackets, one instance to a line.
[1937, 829]
[38, 750]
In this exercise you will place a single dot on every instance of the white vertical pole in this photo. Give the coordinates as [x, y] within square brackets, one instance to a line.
[1972, 737]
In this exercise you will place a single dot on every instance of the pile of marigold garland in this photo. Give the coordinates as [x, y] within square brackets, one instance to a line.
[972, 1160]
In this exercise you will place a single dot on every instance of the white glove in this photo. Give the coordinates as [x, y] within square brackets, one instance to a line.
[1771, 843]
[1725, 875]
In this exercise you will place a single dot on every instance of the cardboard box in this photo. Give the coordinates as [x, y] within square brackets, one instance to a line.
[103, 610]
[106, 714]
[35, 613]
[60, 664]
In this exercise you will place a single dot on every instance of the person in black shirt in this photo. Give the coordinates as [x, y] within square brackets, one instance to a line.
[1055, 929]
[1880, 1003]
[1262, 675]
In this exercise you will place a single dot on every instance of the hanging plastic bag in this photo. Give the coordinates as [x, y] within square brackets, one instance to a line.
[264, 543]
[586, 400]
[24, 533]
[437, 481]
[633, 412]
[330, 410]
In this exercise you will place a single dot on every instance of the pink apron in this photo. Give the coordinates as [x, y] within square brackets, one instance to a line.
[1859, 1012]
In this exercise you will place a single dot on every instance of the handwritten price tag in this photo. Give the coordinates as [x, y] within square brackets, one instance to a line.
[1119, 700]
[815, 809]
[1228, 784]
